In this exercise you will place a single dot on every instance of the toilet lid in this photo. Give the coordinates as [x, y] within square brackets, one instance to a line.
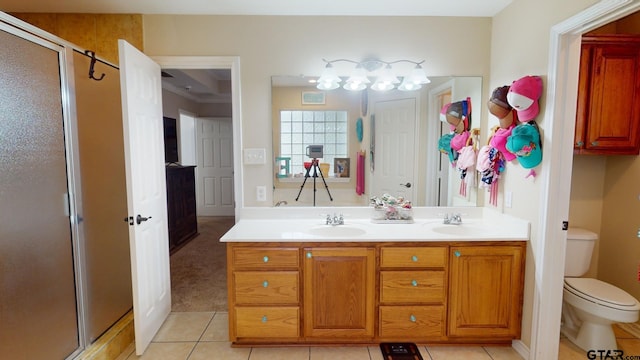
[601, 291]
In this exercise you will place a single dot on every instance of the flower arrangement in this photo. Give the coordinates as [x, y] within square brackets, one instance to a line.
[388, 208]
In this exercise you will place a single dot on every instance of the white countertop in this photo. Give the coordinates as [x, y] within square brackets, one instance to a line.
[290, 224]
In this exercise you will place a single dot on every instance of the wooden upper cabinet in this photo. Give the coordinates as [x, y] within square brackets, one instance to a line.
[339, 292]
[486, 291]
[608, 111]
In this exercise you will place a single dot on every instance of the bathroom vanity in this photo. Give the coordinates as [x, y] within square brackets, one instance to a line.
[297, 281]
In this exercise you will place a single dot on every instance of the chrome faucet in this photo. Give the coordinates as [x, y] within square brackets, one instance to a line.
[335, 220]
[454, 219]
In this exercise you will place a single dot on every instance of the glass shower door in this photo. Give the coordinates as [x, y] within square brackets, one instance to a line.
[38, 314]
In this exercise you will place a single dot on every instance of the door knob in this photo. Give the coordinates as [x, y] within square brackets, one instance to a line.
[407, 185]
[140, 219]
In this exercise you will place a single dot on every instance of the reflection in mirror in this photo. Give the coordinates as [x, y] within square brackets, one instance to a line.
[374, 142]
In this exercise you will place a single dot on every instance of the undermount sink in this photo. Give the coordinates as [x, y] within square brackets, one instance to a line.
[462, 229]
[336, 231]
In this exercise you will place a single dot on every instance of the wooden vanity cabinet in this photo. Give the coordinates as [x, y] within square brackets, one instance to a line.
[486, 291]
[264, 293]
[608, 110]
[413, 293]
[339, 293]
[362, 293]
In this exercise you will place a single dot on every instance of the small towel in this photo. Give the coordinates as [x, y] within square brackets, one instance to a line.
[360, 173]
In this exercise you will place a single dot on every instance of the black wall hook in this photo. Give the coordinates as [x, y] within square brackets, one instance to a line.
[92, 54]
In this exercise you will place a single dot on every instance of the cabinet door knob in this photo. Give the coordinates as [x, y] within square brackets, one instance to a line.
[456, 253]
[594, 143]
[264, 319]
[580, 143]
[309, 255]
[265, 283]
[414, 283]
[265, 259]
[412, 318]
[414, 258]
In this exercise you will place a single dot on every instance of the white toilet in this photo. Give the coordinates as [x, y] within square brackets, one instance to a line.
[591, 306]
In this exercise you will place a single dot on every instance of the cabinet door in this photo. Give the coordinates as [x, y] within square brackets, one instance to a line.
[339, 292]
[608, 113]
[486, 289]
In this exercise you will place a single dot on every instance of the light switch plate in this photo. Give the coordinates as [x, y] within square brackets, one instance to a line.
[255, 156]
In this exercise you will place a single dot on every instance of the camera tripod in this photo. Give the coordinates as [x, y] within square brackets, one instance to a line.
[314, 166]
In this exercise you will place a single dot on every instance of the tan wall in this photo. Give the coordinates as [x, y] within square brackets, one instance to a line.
[585, 207]
[619, 244]
[520, 46]
[97, 32]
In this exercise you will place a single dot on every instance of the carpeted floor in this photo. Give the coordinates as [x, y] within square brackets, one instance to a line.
[198, 270]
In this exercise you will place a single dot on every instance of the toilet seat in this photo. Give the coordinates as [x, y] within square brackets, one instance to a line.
[601, 293]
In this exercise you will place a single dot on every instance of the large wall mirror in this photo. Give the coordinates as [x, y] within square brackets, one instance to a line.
[373, 143]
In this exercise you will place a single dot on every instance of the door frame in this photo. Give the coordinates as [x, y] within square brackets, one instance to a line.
[434, 131]
[219, 62]
[557, 165]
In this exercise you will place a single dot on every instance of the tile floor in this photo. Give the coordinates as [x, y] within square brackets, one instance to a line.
[204, 336]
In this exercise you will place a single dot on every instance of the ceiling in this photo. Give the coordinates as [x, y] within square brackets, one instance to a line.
[482, 8]
[213, 86]
[199, 85]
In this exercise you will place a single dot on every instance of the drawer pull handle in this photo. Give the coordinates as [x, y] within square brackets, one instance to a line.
[265, 259]
[265, 283]
[412, 318]
[414, 283]
[309, 256]
[414, 258]
[264, 319]
[456, 253]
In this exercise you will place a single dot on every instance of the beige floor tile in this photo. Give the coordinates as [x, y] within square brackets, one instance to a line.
[458, 352]
[629, 346]
[281, 353]
[165, 351]
[569, 351]
[218, 329]
[219, 350]
[502, 353]
[340, 353]
[183, 326]
[375, 353]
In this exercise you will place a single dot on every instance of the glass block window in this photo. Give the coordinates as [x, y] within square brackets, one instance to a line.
[299, 129]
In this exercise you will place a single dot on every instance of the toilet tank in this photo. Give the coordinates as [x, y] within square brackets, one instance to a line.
[580, 243]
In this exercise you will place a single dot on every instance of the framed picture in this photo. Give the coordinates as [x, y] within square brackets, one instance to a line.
[312, 98]
[341, 167]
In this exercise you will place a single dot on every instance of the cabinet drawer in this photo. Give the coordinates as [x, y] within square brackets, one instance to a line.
[266, 287]
[408, 257]
[253, 258]
[267, 322]
[412, 321]
[426, 286]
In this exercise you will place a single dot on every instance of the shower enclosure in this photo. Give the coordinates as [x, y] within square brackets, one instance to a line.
[64, 260]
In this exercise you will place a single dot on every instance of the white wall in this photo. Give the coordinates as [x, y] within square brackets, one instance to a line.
[282, 45]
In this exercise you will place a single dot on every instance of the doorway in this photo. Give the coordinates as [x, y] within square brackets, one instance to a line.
[197, 271]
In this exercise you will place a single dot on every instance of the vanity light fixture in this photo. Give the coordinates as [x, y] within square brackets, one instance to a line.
[385, 80]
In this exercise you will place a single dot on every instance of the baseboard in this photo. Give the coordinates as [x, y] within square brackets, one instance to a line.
[113, 342]
[521, 348]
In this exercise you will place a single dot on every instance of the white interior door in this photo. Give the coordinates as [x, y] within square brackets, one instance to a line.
[395, 139]
[146, 192]
[214, 179]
